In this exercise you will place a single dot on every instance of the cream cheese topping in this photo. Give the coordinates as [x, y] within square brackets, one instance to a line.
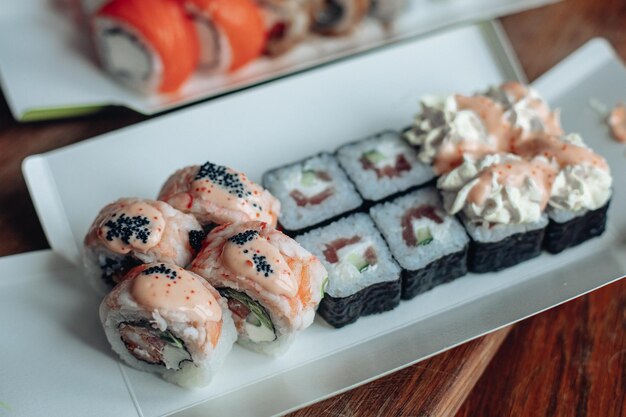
[526, 109]
[581, 187]
[498, 188]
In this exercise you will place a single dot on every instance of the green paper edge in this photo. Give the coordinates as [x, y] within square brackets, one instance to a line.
[50, 113]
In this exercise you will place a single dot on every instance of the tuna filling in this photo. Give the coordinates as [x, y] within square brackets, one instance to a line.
[314, 188]
[153, 346]
[353, 255]
[419, 235]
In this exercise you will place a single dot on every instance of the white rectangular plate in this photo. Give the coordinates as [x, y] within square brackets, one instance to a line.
[51, 71]
[254, 130]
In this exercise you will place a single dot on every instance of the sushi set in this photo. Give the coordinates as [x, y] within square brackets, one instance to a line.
[211, 59]
[389, 226]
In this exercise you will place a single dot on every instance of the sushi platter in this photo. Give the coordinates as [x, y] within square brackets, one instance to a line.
[315, 119]
[55, 54]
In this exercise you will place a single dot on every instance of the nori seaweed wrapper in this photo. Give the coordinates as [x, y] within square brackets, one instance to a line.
[377, 298]
[560, 236]
[496, 256]
[445, 269]
[293, 233]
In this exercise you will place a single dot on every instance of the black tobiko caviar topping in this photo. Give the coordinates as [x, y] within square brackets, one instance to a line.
[161, 269]
[112, 268]
[219, 175]
[125, 228]
[260, 262]
[195, 239]
[244, 237]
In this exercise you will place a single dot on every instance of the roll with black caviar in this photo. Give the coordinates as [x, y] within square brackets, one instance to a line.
[133, 231]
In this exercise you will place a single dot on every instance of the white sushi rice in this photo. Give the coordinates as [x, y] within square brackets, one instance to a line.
[126, 55]
[367, 182]
[448, 237]
[490, 233]
[340, 283]
[282, 181]
[563, 216]
[196, 373]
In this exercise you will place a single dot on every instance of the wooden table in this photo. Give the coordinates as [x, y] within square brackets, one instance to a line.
[568, 361]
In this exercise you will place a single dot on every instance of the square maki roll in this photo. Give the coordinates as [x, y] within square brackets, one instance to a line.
[570, 228]
[312, 192]
[496, 246]
[382, 166]
[363, 278]
[429, 244]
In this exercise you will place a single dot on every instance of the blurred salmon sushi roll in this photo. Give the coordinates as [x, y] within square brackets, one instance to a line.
[149, 46]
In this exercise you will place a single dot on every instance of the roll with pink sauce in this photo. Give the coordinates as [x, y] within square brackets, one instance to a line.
[168, 321]
[133, 231]
[217, 194]
[273, 285]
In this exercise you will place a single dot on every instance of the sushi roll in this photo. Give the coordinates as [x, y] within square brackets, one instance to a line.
[231, 32]
[312, 192]
[272, 284]
[134, 231]
[363, 278]
[387, 10]
[581, 191]
[337, 17]
[169, 321]
[216, 194]
[149, 46]
[383, 166]
[429, 244]
[287, 23]
[501, 200]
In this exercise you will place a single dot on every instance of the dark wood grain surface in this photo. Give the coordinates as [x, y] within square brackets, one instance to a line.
[569, 361]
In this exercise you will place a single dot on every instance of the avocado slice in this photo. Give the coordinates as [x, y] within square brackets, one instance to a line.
[374, 156]
[423, 235]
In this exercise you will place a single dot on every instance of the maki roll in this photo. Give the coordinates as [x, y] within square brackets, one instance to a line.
[580, 193]
[337, 17]
[272, 284]
[216, 194]
[501, 200]
[429, 244]
[169, 321]
[287, 23]
[363, 278]
[231, 32]
[150, 46]
[383, 166]
[133, 231]
[312, 192]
